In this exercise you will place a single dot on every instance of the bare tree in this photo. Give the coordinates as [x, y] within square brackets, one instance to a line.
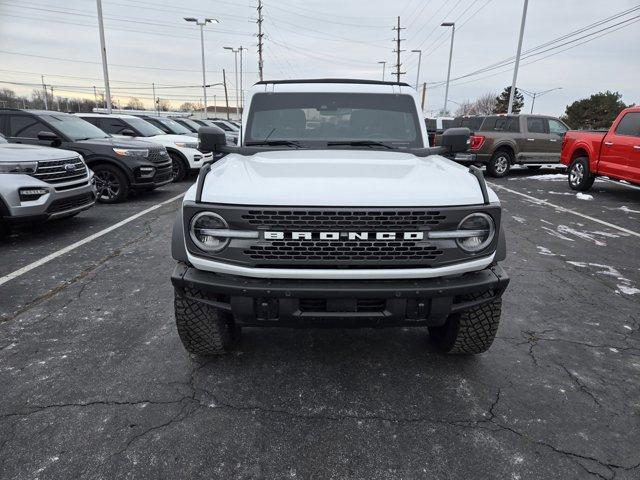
[484, 104]
[188, 107]
[163, 105]
[134, 104]
[465, 108]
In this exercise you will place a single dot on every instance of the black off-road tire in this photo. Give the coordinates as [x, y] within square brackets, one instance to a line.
[204, 330]
[178, 167]
[469, 332]
[579, 176]
[500, 163]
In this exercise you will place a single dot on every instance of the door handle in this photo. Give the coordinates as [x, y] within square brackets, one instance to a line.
[608, 144]
[531, 139]
[553, 140]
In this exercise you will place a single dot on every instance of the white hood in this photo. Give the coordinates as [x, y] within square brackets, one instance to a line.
[340, 178]
[168, 140]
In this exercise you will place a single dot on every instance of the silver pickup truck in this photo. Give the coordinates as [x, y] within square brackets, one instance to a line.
[41, 183]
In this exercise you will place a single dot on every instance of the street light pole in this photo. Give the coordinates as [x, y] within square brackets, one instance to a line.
[535, 95]
[235, 51]
[453, 33]
[201, 24]
[384, 64]
[103, 49]
[512, 93]
[241, 94]
[419, 52]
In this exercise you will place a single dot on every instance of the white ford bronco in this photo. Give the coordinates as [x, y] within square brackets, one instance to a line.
[333, 210]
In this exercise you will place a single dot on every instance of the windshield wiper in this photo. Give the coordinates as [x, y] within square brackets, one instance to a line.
[361, 143]
[275, 143]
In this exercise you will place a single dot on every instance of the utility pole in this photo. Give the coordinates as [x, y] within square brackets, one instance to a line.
[95, 96]
[453, 34]
[419, 52]
[535, 95]
[260, 35]
[44, 91]
[215, 106]
[384, 64]
[512, 93]
[424, 95]
[103, 49]
[398, 50]
[241, 89]
[226, 95]
[155, 102]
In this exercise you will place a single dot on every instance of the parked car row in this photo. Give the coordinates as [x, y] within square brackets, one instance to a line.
[55, 164]
[501, 141]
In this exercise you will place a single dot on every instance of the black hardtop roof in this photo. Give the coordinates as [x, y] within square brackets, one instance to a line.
[333, 80]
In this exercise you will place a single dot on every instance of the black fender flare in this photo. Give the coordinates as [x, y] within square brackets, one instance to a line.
[180, 155]
[501, 249]
[126, 169]
[178, 249]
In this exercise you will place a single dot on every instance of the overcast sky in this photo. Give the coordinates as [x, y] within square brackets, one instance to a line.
[148, 41]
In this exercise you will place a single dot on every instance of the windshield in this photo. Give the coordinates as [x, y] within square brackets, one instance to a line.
[194, 125]
[174, 126]
[144, 127]
[75, 128]
[223, 126]
[320, 119]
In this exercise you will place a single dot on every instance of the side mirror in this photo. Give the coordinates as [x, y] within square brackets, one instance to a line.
[456, 140]
[127, 132]
[50, 137]
[211, 139]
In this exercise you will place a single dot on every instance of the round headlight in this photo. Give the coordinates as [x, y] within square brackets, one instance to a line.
[202, 226]
[480, 229]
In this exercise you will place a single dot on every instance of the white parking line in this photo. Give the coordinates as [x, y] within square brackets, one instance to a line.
[564, 209]
[84, 241]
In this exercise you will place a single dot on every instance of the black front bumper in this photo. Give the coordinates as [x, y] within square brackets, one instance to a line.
[343, 303]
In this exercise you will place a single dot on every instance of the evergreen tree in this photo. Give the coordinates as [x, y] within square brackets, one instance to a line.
[502, 101]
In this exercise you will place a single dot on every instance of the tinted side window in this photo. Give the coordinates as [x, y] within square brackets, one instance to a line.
[92, 121]
[557, 127]
[112, 125]
[629, 125]
[535, 125]
[431, 124]
[25, 126]
[158, 124]
[500, 124]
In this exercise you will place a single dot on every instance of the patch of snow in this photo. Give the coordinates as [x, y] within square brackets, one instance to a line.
[626, 209]
[606, 234]
[628, 290]
[519, 219]
[552, 177]
[556, 234]
[583, 235]
[578, 264]
[560, 193]
[584, 196]
[545, 251]
[614, 350]
[628, 327]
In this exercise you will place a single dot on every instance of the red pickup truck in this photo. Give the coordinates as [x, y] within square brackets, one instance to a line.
[614, 154]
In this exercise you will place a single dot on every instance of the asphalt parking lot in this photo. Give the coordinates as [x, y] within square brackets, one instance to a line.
[95, 383]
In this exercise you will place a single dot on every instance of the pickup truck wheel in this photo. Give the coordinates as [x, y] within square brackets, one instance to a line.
[204, 330]
[471, 331]
[499, 164]
[579, 176]
[111, 184]
[179, 170]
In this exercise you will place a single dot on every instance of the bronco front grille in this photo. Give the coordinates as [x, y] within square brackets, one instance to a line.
[60, 171]
[342, 219]
[368, 251]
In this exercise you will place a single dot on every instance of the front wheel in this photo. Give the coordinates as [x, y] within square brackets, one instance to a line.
[179, 171]
[111, 184]
[471, 331]
[499, 164]
[203, 329]
[579, 176]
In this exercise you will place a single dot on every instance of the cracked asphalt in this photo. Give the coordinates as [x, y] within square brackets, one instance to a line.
[95, 383]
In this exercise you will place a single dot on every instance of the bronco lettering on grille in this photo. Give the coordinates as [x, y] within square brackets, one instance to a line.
[343, 235]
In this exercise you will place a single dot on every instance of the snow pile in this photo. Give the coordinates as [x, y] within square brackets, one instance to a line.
[584, 196]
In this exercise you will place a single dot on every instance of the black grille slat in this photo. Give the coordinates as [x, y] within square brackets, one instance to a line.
[54, 171]
[366, 251]
[158, 156]
[314, 220]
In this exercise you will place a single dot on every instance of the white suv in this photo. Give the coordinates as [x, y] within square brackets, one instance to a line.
[182, 149]
[353, 222]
